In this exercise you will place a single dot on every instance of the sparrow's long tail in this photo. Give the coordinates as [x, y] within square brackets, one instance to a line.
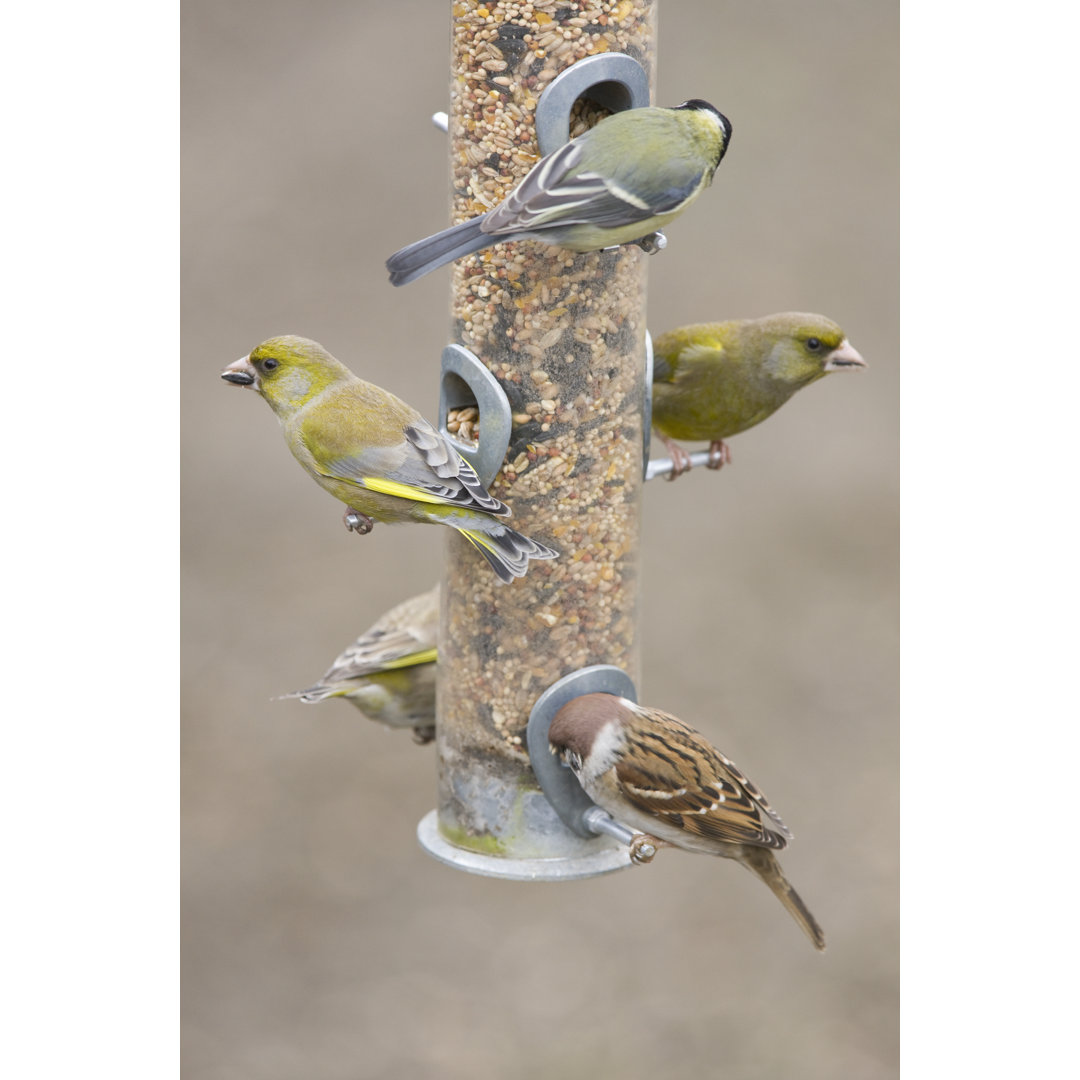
[506, 550]
[763, 862]
[425, 255]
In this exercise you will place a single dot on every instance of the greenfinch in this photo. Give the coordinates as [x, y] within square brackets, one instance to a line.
[377, 454]
[660, 777]
[388, 672]
[713, 380]
[614, 184]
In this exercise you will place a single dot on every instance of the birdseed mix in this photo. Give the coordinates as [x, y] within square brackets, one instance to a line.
[564, 336]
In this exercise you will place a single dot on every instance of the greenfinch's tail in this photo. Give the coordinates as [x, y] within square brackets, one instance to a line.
[764, 864]
[316, 693]
[507, 551]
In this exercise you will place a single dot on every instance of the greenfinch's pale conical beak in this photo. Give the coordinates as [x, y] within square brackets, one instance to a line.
[844, 357]
[240, 372]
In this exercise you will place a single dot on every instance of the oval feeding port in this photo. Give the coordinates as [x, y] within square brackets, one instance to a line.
[558, 783]
[473, 412]
[613, 80]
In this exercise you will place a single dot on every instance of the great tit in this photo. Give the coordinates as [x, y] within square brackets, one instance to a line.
[619, 181]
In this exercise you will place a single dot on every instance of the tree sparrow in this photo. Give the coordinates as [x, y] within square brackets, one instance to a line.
[657, 775]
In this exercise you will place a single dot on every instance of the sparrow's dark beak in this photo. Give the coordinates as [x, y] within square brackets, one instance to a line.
[844, 357]
[240, 372]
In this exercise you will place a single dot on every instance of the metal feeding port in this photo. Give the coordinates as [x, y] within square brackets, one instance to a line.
[576, 810]
[467, 385]
[614, 80]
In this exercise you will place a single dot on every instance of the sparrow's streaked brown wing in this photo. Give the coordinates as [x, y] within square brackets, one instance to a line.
[718, 803]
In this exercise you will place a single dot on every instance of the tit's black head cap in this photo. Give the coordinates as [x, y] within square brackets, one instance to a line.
[704, 106]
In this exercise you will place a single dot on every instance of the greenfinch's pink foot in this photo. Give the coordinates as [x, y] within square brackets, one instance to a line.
[680, 459]
[719, 455]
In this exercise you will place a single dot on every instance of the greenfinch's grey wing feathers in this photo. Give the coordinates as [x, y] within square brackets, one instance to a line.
[423, 466]
[377, 651]
[450, 466]
[408, 634]
[437, 452]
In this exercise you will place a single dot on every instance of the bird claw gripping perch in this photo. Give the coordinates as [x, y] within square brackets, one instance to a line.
[356, 522]
[643, 848]
[680, 460]
[651, 244]
[719, 455]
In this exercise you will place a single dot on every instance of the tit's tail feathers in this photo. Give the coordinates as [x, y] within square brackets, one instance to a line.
[506, 550]
[428, 254]
[763, 862]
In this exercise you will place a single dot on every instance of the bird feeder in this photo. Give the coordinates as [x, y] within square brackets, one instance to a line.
[549, 348]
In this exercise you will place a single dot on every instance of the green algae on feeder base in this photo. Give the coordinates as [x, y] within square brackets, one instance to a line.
[485, 844]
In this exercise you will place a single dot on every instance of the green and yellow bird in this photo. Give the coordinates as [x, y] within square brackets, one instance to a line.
[388, 672]
[713, 380]
[377, 454]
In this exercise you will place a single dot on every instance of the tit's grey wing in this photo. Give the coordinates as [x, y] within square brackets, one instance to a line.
[544, 192]
[554, 195]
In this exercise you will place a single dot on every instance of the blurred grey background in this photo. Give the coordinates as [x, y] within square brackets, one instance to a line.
[318, 940]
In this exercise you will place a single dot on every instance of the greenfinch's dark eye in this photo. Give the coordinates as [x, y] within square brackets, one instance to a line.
[813, 344]
[269, 364]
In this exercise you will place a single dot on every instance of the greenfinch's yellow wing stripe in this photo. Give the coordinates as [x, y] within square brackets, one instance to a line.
[425, 657]
[403, 491]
